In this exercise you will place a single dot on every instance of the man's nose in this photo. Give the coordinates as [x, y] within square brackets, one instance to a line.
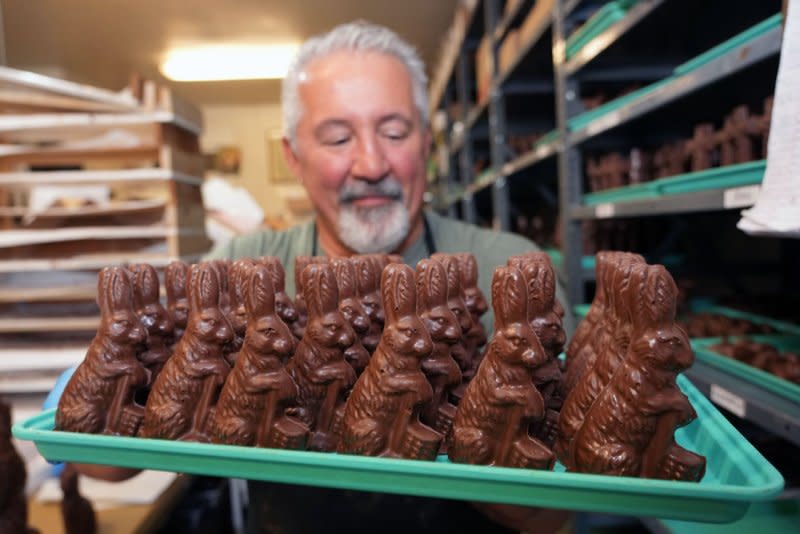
[370, 162]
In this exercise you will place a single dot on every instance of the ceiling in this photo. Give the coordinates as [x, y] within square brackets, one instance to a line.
[101, 42]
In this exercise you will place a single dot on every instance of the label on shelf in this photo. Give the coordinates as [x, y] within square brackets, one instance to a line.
[740, 197]
[604, 210]
[731, 402]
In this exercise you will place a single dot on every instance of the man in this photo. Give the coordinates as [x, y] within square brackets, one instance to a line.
[355, 111]
[355, 114]
[356, 135]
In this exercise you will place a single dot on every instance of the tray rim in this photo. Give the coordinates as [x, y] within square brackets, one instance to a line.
[698, 502]
[779, 386]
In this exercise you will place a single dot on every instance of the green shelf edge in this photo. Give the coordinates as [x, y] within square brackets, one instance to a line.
[750, 173]
[580, 122]
[723, 48]
[768, 381]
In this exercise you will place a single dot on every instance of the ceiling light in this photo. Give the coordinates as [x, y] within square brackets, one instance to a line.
[228, 62]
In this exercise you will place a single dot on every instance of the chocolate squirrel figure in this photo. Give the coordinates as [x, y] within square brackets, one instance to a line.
[252, 405]
[442, 325]
[99, 397]
[352, 310]
[153, 316]
[13, 503]
[318, 366]
[183, 396]
[629, 429]
[368, 277]
[382, 415]
[238, 276]
[283, 303]
[501, 402]
[76, 510]
[476, 304]
[175, 276]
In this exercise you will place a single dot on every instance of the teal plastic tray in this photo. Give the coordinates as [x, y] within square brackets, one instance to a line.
[581, 310]
[780, 326]
[737, 474]
[717, 178]
[754, 375]
[751, 33]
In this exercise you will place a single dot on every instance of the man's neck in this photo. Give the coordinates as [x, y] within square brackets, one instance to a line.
[332, 246]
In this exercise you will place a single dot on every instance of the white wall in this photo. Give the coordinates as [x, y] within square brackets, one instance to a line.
[248, 127]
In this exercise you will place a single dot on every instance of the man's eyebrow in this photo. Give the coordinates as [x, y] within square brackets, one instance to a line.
[331, 123]
[395, 117]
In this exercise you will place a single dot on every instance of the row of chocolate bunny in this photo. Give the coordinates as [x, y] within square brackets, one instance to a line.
[624, 404]
[286, 394]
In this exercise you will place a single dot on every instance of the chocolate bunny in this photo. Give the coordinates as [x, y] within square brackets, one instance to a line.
[476, 304]
[318, 366]
[368, 277]
[184, 394]
[76, 510]
[629, 428]
[283, 304]
[456, 303]
[252, 404]
[352, 310]
[13, 503]
[300, 263]
[609, 347]
[238, 276]
[222, 266]
[439, 367]
[175, 277]
[154, 318]
[382, 414]
[540, 278]
[579, 345]
[500, 403]
[99, 396]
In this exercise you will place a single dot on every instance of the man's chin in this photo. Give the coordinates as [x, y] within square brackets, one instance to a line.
[373, 229]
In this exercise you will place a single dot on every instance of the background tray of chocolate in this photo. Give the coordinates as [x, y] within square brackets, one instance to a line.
[737, 474]
[772, 350]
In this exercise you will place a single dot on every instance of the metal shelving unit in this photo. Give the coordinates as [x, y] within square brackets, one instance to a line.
[744, 399]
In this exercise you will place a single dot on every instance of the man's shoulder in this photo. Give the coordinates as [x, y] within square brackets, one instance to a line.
[457, 236]
[266, 242]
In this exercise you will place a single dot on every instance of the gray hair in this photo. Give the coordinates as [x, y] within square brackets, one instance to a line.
[357, 36]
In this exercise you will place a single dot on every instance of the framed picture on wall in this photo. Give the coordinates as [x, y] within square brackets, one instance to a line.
[279, 172]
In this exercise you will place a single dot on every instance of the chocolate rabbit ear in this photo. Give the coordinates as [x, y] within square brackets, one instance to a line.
[260, 294]
[469, 269]
[399, 293]
[320, 289]
[509, 296]
[300, 263]
[345, 277]
[148, 282]
[120, 290]
[365, 279]
[276, 271]
[637, 296]
[175, 277]
[103, 290]
[453, 270]
[533, 273]
[209, 287]
[662, 294]
[431, 284]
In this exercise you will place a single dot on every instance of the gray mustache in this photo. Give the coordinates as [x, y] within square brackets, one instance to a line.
[388, 187]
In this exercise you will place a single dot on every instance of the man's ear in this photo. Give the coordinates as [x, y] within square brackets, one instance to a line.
[291, 158]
